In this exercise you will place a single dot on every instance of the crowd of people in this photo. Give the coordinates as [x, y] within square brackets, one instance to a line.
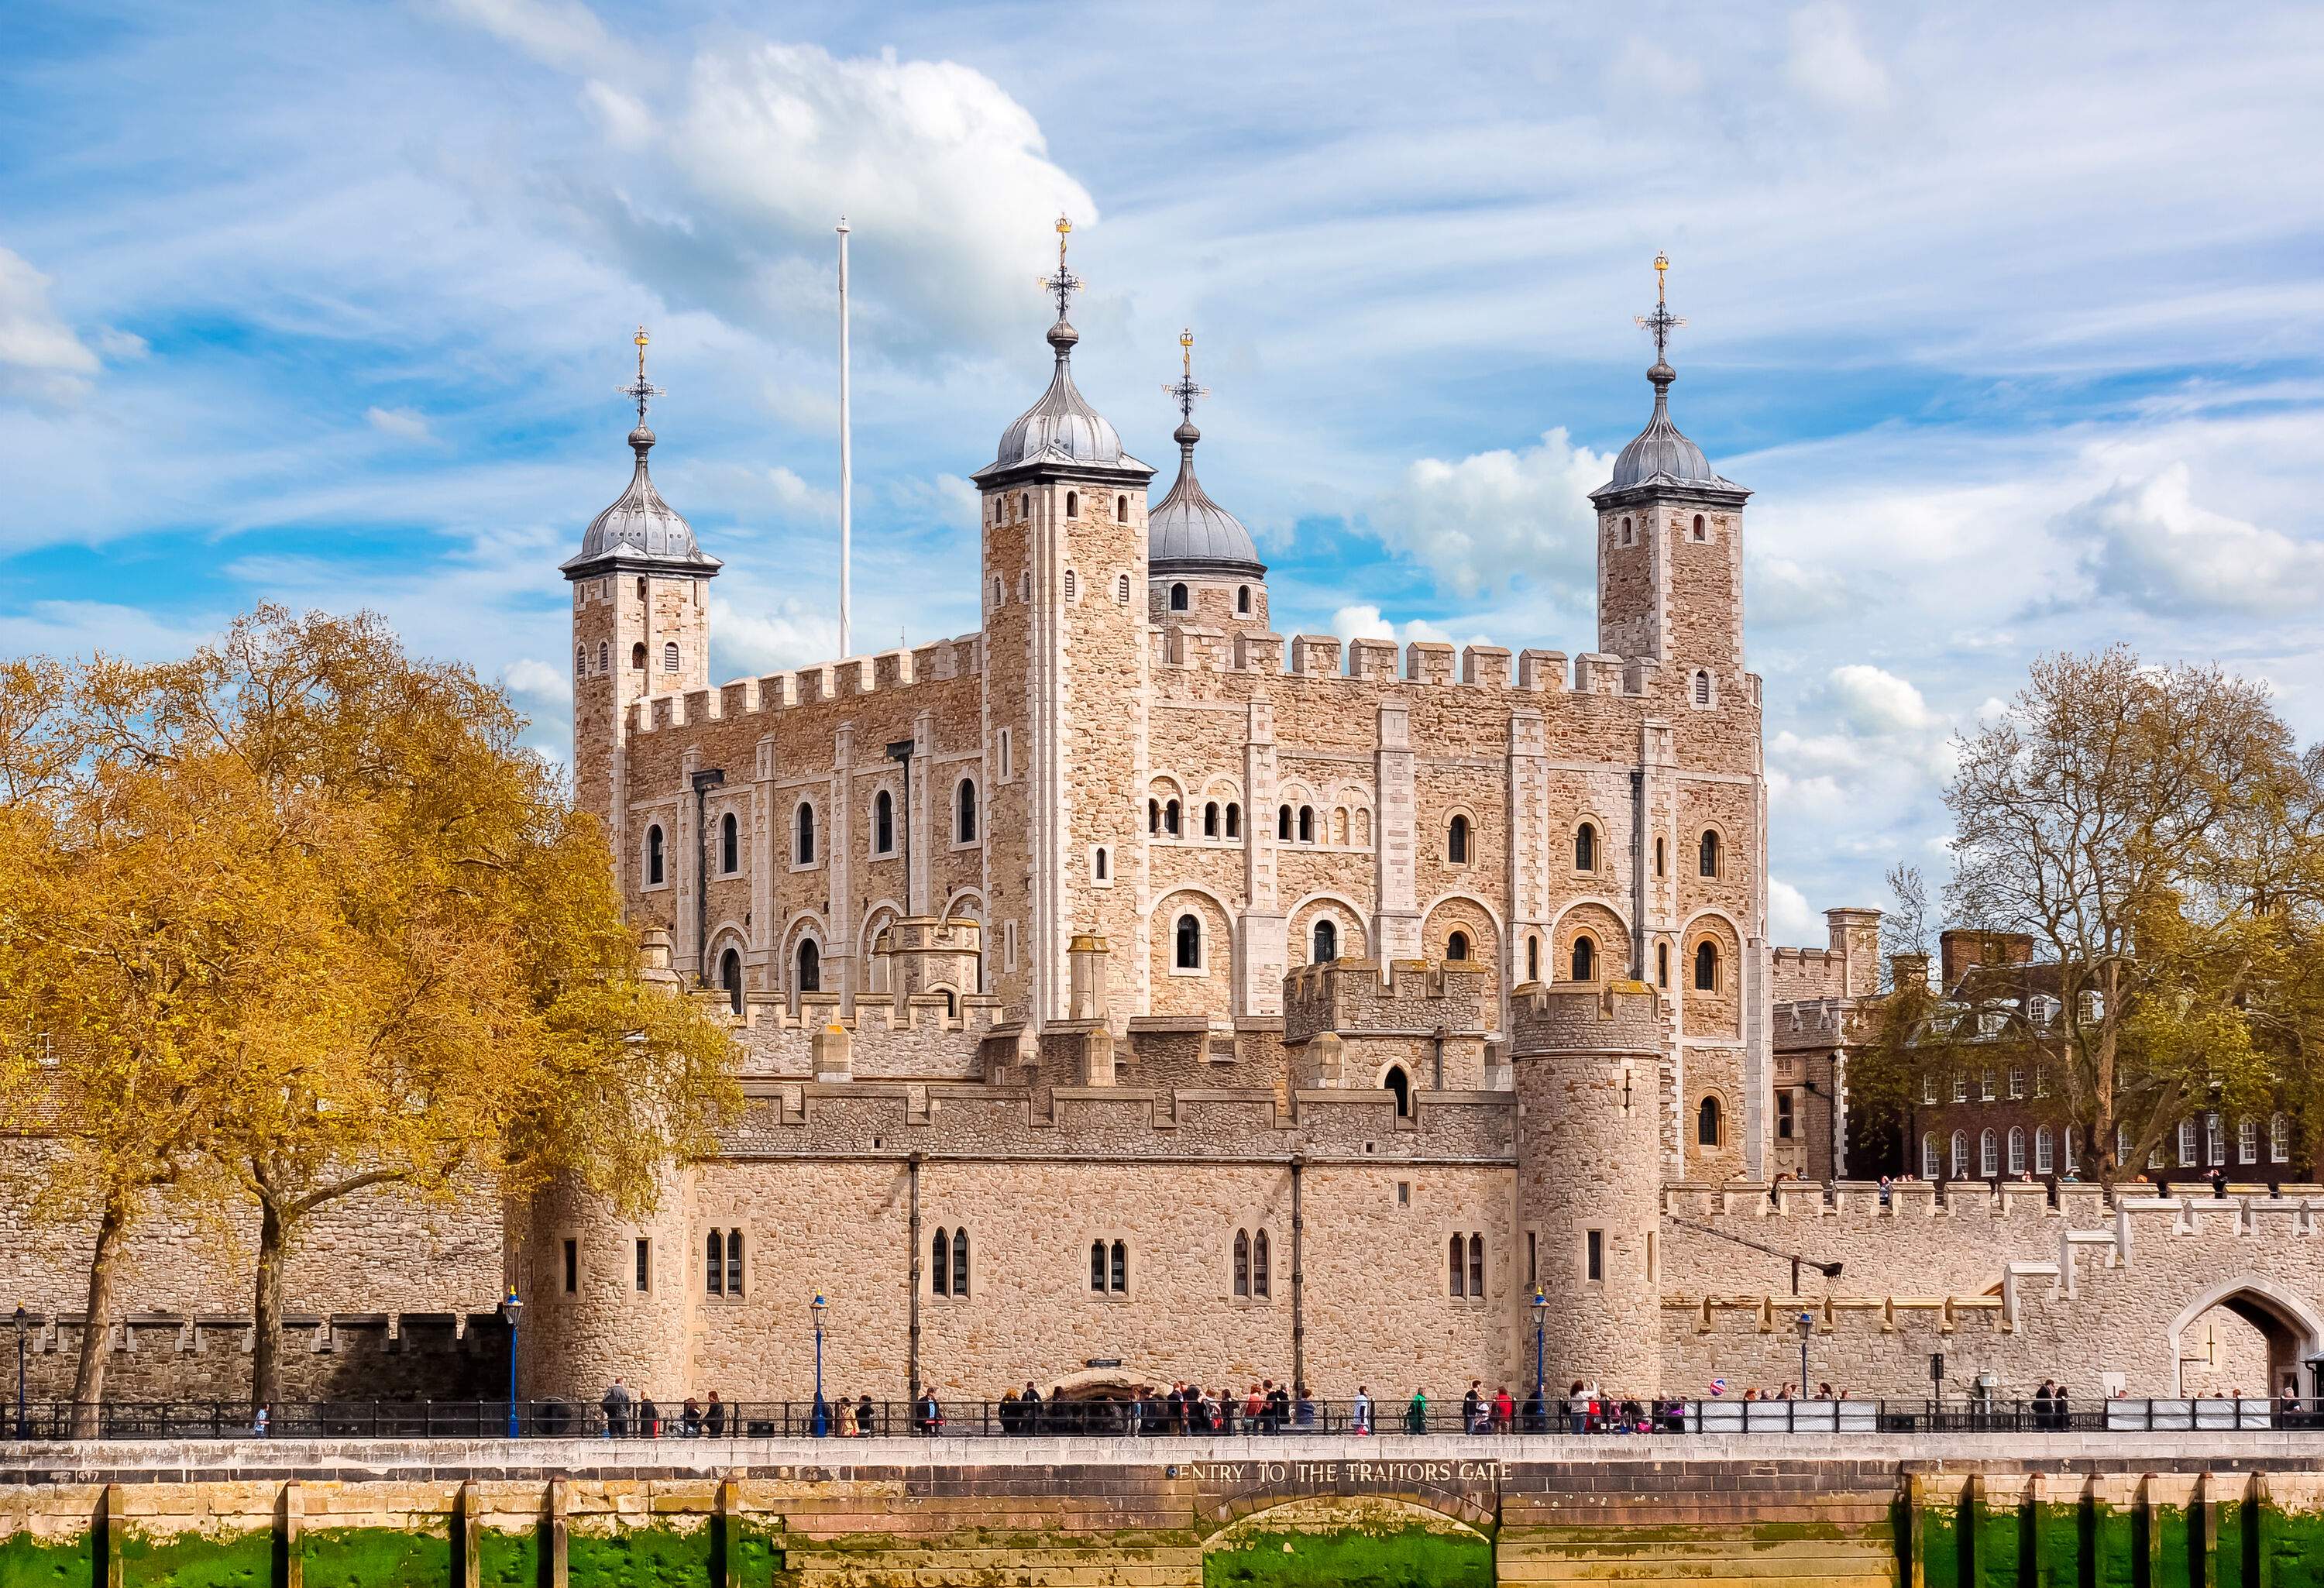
[634, 1415]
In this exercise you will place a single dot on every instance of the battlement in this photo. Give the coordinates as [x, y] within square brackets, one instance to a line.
[1408, 997]
[1198, 647]
[1585, 1017]
[925, 1034]
[2246, 1209]
[857, 676]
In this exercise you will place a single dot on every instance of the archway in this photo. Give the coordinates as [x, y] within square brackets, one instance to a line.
[2286, 1322]
[1340, 1538]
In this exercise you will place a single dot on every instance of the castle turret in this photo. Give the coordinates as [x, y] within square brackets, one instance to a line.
[640, 625]
[1202, 565]
[1587, 1061]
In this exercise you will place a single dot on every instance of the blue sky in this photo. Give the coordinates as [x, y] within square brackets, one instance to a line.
[2012, 316]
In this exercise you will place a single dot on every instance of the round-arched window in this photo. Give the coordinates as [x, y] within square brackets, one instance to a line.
[1707, 853]
[1327, 942]
[883, 823]
[730, 977]
[1400, 1084]
[1242, 598]
[803, 848]
[810, 966]
[1585, 960]
[1189, 943]
[1706, 968]
[730, 844]
[1707, 1124]
[655, 860]
[1177, 598]
[1456, 946]
[964, 825]
[1585, 847]
[1456, 841]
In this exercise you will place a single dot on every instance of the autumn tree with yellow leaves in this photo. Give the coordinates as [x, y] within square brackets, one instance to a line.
[388, 951]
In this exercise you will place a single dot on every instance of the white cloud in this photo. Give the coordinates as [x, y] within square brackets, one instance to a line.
[1790, 920]
[1366, 622]
[405, 424]
[32, 337]
[625, 118]
[794, 495]
[1828, 62]
[1871, 701]
[2148, 542]
[751, 643]
[1495, 516]
[561, 34]
[537, 681]
[947, 499]
[1778, 591]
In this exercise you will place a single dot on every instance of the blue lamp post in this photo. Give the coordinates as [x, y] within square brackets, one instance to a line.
[512, 1307]
[821, 1423]
[1540, 1319]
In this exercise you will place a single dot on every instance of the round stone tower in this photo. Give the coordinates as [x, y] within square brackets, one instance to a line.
[606, 1296]
[1586, 1056]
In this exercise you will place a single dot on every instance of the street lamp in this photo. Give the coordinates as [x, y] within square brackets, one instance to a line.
[1540, 1319]
[512, 1307]
[821, 1424]
[1807, 1323]
[23, 1432]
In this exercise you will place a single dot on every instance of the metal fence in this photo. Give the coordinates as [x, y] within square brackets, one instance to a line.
[1149, 1418]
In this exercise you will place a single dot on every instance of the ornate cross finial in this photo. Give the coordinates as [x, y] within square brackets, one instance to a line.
[1184, 392]
[1662, 321]
[640, 392]
[1065, 284]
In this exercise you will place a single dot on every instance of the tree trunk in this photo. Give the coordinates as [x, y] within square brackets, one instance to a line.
[97, 1315]
[266, 1309]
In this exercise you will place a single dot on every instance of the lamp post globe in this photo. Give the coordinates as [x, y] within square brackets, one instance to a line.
[819, 1423]
[513, 1307]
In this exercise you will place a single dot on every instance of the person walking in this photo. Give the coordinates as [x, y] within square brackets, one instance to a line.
[648, 1417]
[1416, 1414]
[1505, 1411]
[1537, 1412]
[1303, 1411]
[1577, 1410]
[1029, 1408]
[2042, 1407]
[1473, 1416]
[713, 1415]
[616, 1408]
[1360, 1416]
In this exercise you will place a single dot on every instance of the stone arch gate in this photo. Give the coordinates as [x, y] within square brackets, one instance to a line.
[2286, 1320]
[1288, 1519]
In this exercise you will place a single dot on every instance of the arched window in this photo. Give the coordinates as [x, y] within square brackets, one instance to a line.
[605, 664]
[1072, 504]
[714, 1273]
[1585, 960]
[1706, 860]
[670, 656]
[963, 812]
[1242, 1264]
[730, 844]
[1109, 1268]
[1400, 1085]
[1024, 504]
[1242, 598]
[1262, 1283]
[1662, 857]
[654, 861]
[803, 849]
[1625, 531]
[1072, 587]
[1932, 1166]
[1306, 824]
[1456, 946]
[638, 656]
[1177, 598]
[1189, 955]
[1000, 592]
[940, 1262]
[883, 823]
[1234, 820]
[1960, 1155]
[810, 966]
[2016, 1149]
[730, 976]
[1988, 1155]
[1456, 1254]
[734, 1263]
[580, 661]
[1477, 1266]
[1102, 864]
[641, 589]
[1699, 527]
[1121, 513]
[1701, 688]
[1170, 817]
[1456, 841]
[1327, 942]
[2046, 1152]
[1662, 964]
[1706, 968]
[1585, 847]
[1283, 825]
[1707, 1124]
[960, 1262]
[1211, 819]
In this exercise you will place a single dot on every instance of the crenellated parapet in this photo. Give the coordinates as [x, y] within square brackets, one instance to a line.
[1349, 1022]
[887, 672]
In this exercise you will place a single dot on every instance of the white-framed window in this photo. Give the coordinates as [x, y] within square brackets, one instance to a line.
[2279, 1139]
[1989, 1154]
[670, 656]
[1961, 1086]
[580, 661]
[2017, 1080]
[1929, 1088]
[1121, 590]
[1252, 1272]
[2190, 1144]
[2045, 1150]
[729, 844]
[1960, 1155]
[1985, 1091]
[999, 596]
[2215, 1139]
[2247, 1139]
[2016, 1149]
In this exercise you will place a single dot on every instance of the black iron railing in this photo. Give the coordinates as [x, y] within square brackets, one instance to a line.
[1149, 1418]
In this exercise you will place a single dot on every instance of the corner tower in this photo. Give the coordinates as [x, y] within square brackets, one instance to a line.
[1670, 540]
[1065, 673]
[1201, 562]
[640, 618]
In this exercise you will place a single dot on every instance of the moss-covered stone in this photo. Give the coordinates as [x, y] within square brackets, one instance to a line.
[509, 1560]
[376, 1557]
[197, 1560]
[1408, 1557]
[26, 1562]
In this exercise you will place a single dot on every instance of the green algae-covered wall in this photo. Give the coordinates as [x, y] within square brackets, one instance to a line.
[2155, 1530]
[1408, 1557]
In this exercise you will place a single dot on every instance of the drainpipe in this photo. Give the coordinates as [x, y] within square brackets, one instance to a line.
[1639, 872]
[1298, 1286]
[704, 781]
[912, 1355]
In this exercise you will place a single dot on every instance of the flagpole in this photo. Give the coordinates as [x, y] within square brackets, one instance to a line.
[846, 459]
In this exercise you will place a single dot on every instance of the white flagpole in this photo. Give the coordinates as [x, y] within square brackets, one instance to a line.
[846, 460]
